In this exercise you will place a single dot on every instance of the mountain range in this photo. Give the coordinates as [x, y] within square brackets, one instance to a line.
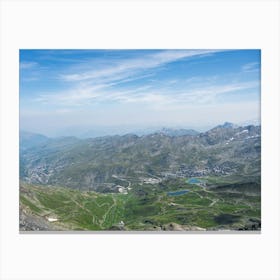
[96, 163]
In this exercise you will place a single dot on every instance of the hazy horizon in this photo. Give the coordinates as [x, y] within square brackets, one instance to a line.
[139, 131]
[71, 92]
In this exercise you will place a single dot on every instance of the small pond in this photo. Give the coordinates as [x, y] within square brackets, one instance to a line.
[176, 193]
[193, 181]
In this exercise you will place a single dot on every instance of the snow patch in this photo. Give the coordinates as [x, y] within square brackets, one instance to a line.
[52, 219]
[242, 132]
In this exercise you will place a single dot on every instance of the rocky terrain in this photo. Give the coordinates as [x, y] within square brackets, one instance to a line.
[164, 181]
[97, 163]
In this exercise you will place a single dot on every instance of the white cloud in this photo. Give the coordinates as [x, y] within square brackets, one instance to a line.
[251, 67]
[135, 116]
[101, 84]
[88, 89]
[28, 64]
[128, 67]
[208, 94]
[159, 98]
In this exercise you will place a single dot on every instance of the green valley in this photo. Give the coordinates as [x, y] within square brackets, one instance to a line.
[146, 207]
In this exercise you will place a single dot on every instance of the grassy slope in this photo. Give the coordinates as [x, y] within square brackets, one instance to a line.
[146, 210]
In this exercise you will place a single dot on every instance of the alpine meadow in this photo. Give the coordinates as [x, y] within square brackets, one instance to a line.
[145, 140]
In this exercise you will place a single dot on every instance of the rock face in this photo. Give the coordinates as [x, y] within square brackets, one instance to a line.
[178, 132]
[101, 163]
[28, 140]
[29, 222]
[177, 227]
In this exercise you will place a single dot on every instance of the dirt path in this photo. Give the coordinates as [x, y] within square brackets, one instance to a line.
[107, 212]
[153, 175]
[80, 205]
[122, 179]
[200, 196]
[214, 201]
[94, 220]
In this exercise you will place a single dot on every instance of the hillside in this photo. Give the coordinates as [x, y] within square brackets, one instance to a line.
[167, 207]
[96, 163]
[206, 181]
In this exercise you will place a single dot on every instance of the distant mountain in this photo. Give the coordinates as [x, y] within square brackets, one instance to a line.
[98, 132]
[227, 125]
[255, 122]
[29, 139]
[177, 132]
[229, 132]
[99, 163]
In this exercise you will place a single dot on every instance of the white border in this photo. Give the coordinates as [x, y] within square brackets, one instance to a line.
[157, 24]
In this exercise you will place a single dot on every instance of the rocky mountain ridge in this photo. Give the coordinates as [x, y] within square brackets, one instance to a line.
[99, 163]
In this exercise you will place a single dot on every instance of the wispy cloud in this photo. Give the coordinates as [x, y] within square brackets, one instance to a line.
[101, 84]
[128, 67]
[28, 64]
[251, 67]
[139, 85]
[208, 94]
[145, 95]
[196, 96]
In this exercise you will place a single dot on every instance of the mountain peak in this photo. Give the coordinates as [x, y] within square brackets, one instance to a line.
[226, 125]
[177, 132]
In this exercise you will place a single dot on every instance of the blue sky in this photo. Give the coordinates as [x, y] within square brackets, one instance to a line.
[64, 92]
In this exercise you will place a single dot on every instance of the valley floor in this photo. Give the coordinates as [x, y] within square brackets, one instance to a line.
[213, 203]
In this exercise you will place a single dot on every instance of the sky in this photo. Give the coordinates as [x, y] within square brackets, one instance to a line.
[79, 92]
